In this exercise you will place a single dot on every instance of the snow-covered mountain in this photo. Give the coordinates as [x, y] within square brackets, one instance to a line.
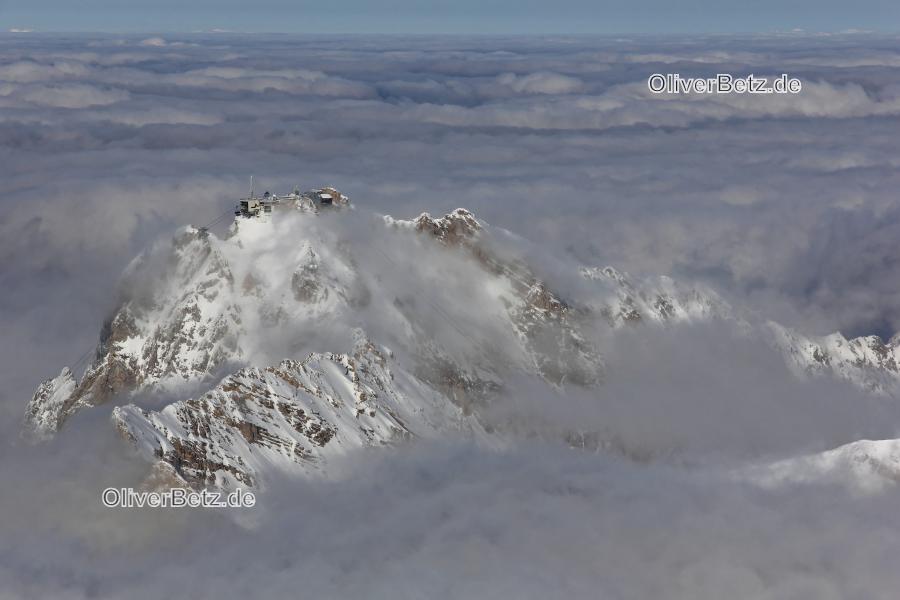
[867, 361]
[864, 466]
[298, 412]
[305, 334]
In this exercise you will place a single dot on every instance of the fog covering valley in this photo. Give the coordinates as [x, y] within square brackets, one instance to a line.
[713, 482]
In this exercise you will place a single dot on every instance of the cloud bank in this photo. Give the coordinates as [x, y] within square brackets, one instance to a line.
[786, 205]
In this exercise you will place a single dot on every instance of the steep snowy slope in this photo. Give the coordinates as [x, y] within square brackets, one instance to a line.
[865, 465]
[867, 361]
[179, 322]
[660, 301]
[294, 415]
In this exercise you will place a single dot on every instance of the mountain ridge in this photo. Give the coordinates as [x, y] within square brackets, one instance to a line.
[277, 285]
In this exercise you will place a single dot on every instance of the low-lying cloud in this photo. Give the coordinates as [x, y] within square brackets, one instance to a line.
[454, 521]
[784, 204]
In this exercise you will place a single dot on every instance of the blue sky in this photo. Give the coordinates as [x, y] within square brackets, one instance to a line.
[445, 16]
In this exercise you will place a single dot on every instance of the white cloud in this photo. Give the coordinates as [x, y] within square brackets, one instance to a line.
[24, 71]
[446, 521]
[155, 42]
[786, 204]
[70, 95]
[542, 83]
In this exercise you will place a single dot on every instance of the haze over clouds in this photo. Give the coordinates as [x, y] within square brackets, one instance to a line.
[467, 16]
[786, 205]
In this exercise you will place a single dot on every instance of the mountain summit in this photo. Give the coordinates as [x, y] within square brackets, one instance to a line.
[303, 334]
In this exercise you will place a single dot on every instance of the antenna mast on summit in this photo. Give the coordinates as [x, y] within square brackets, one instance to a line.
[251, 186]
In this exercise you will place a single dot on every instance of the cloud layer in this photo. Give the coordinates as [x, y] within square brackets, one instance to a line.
[787, 205]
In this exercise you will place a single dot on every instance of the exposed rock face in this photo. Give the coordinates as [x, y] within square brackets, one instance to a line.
[181, 326]
[42, 417]
[455, 228]
[299, 412]
[551, 329]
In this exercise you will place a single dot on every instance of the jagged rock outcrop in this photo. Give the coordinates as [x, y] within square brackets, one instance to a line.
[867, 361]
[296, 413]
[178, 326]
[44, 412]
[660, 300]
[545, 323]
[455, 228]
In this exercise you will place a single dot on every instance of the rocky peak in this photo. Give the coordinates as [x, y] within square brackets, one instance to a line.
[42, 417]
[454, 228]
[542, 298]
